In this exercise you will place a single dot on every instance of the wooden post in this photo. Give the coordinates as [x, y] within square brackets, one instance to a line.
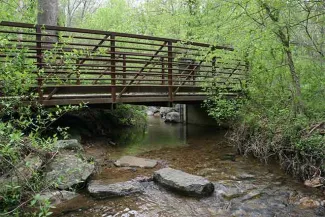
[113, 68]
[124, 69]
[170, 71]
[39, 62]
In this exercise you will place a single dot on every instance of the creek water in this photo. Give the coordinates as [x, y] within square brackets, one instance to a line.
[243, 186]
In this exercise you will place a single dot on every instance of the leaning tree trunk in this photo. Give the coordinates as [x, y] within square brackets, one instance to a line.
[48, 11]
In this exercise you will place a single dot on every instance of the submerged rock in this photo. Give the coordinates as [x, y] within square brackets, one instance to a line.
[173, 117]
[57, 197]
[67, 170]
[245, 176]
[71, 144]
[308, 203]
[183, 182]
[101, 191]
[131, 161]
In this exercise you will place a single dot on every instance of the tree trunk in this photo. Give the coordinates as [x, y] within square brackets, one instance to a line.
[48, 11]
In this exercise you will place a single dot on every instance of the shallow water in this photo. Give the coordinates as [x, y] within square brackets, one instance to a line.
[243, 186]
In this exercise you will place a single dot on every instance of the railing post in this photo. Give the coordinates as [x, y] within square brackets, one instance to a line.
[124, 69]
[162, 71]
[113, 68]
[39, 62]
[170, 71]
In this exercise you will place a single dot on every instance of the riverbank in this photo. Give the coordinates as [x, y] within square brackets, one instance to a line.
[244, 186]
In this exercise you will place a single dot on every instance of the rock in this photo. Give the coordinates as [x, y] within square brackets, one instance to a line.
[150, 113]
[178, 107]
[320, 211]
[206, 171]
[67, 170]
[164, 110]
[152, 110]
[143, 179]
[227, 192]
[245, 176]
[102, 191]
[131, 161]
[57, 197]
[173, 117]
[308, 203]
[183, 182]
[252, 195]
[23, 172]
[71, 144]
[314, 182]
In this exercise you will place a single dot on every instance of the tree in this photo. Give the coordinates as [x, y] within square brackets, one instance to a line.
[47, 14]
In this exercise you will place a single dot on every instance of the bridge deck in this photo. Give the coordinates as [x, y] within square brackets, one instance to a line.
[73, 65]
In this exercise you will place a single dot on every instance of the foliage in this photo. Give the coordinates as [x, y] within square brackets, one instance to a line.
[22, 130]
[128, 115]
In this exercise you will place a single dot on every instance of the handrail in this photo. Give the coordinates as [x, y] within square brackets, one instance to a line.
[121, 67]
[100, 32]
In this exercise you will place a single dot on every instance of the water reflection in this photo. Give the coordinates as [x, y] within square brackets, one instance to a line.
[157, 135]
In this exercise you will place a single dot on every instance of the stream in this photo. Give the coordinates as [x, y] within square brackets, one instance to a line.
[243, 186]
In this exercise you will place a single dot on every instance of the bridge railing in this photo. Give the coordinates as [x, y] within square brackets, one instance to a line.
[75, 65]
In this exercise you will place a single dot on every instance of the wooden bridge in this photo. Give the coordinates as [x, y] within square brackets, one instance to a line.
[72, 65]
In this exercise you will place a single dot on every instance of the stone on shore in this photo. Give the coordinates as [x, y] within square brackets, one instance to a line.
[100, 190]
[71, 144]
[57, 197]
[183, 182]
[131, 161]
[67, 170]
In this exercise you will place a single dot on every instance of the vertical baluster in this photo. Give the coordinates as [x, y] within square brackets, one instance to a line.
[113, 68]
[170, 71]
[124, 69]
[162, 71]
[39, 60]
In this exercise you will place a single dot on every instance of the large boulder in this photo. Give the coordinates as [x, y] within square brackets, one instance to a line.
[178, 107]
[165, 110]
[71, 144]
[22, 173]
[183, 182]
[101, 191]
[131, 161]
[151, 110]
[67, 170]
[173, 117]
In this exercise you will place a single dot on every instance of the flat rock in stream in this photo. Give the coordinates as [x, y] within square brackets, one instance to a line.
[101, 191]
[183, 182]
[131, 161]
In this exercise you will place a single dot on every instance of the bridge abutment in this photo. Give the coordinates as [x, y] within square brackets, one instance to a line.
[195, 114]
